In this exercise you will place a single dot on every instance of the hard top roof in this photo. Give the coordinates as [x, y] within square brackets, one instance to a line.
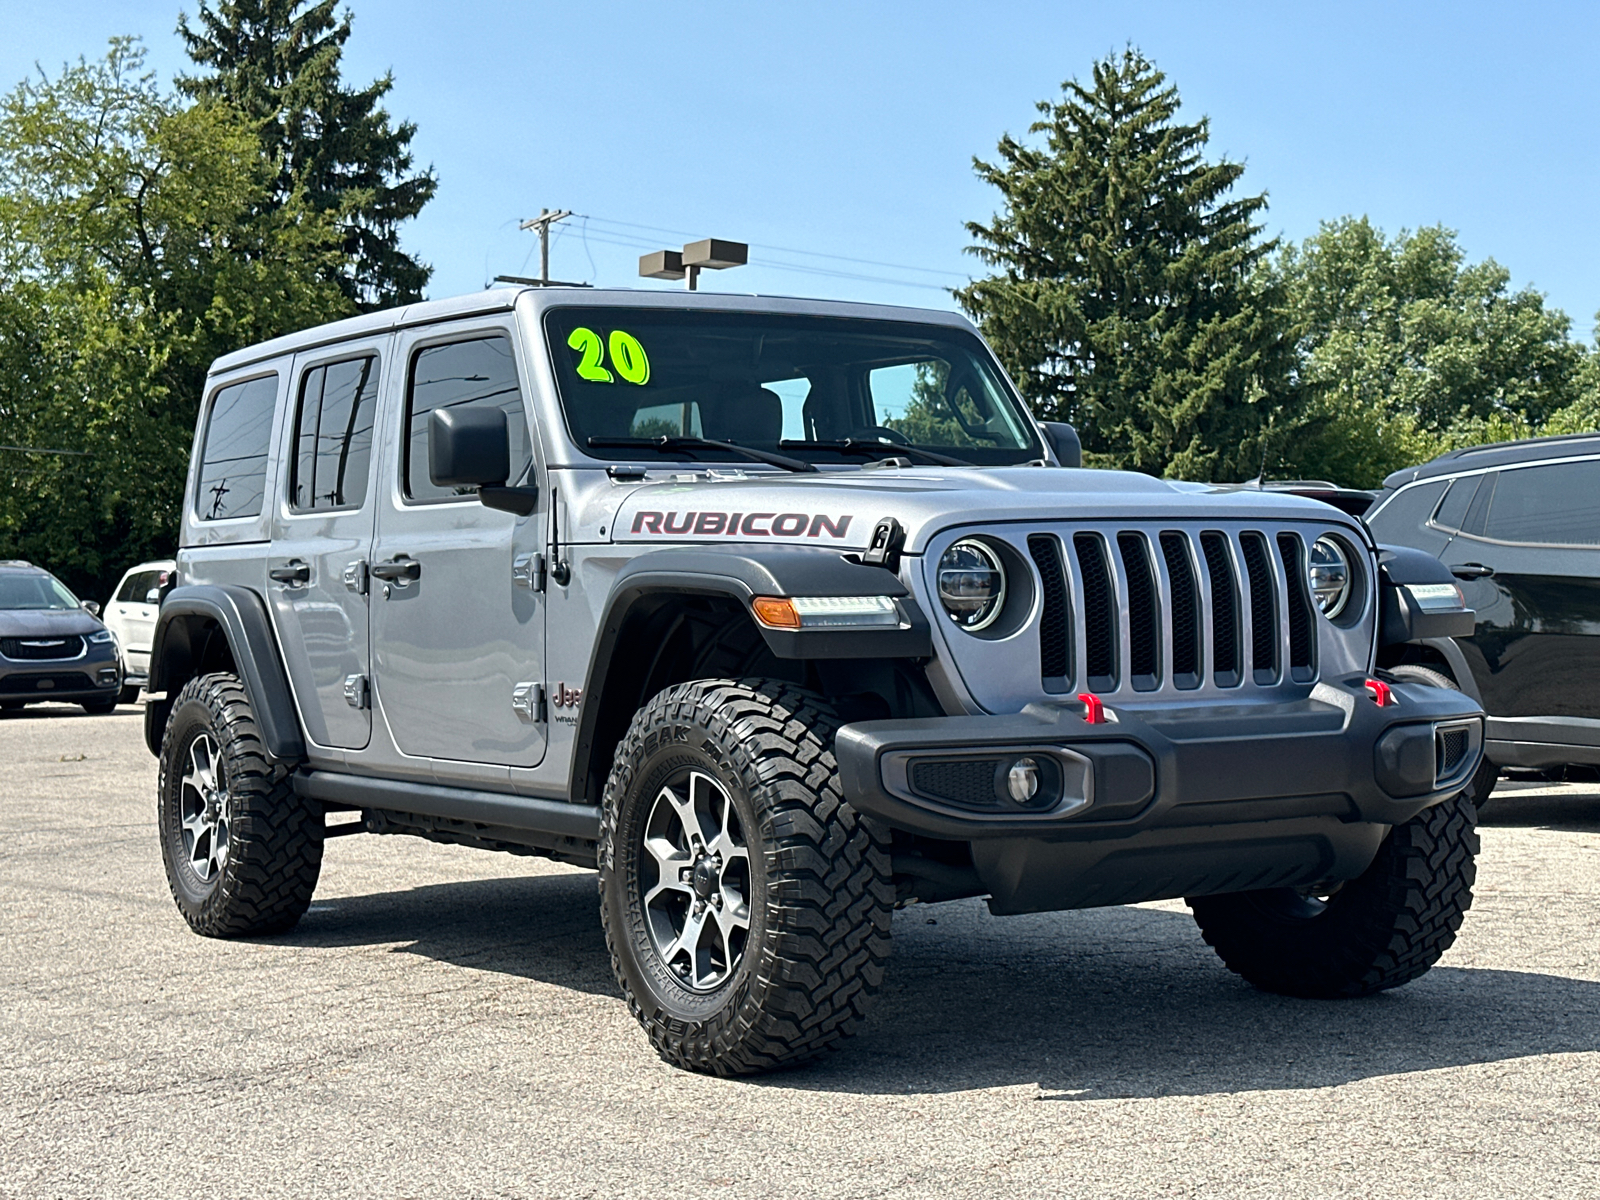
[21, 564]
[505, 299]
[1499, 454]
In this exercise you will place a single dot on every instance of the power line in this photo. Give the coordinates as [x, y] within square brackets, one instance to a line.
[869, 262]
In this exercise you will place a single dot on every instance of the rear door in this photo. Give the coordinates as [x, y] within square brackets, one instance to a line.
[458, 629]
[1529, 551]
[136, 606]
[322, 538]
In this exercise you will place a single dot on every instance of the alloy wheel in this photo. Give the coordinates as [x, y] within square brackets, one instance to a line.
[205, 810]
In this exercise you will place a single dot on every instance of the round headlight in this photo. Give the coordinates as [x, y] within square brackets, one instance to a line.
[972, 584]
[1330, 576]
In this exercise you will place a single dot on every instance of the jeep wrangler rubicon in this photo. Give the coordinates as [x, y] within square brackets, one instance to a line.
[782, 614]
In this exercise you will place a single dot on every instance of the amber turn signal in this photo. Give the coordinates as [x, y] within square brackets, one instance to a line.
[776, 612]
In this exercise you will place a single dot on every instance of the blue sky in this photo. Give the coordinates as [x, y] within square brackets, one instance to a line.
[848, 129]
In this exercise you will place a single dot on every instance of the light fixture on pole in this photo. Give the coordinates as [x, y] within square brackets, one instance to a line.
[708, 254]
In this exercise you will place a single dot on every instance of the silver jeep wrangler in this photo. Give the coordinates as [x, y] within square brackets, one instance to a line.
[784, 614]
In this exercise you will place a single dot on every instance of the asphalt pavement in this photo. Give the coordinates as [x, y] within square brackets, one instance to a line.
[444, 1023]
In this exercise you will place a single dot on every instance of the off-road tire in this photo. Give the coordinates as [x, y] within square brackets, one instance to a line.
[820, 892]
[1481, 785]
[274, 842]
[1375, 932]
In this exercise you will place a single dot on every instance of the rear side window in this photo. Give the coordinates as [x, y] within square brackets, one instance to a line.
[333, 435]
[1454, 509]
[1406, 511]
[136, 589]
[475, 372]
[233, 459]
[1555, 505]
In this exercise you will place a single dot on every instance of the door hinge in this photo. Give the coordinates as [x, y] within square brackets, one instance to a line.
[527, 570]
[355, 577]
[527, 701]
[355, 691]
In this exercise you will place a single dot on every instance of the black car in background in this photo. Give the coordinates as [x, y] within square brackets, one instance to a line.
[52, 646]
[1518, 524]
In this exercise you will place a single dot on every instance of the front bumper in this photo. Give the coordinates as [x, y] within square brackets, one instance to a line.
[92, 677]
[1168, 801]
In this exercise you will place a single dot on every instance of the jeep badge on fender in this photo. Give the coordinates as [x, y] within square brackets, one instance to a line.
[853, 631]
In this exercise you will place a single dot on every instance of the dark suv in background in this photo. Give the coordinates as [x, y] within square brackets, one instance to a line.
[52, 646]
[1518, 523]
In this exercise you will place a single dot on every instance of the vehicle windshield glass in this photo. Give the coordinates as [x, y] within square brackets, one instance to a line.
[783, 383]
[34, 591]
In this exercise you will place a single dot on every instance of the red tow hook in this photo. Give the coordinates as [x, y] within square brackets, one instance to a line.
[1093, 711]
[1380, 693]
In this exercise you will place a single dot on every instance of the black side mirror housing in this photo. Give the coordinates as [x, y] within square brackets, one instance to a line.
[92, 607]
[471, 447]
[1064, 441]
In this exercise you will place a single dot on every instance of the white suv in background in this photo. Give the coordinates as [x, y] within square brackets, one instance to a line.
[131, 615]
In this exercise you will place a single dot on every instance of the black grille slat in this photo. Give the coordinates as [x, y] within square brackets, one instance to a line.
[1301, 649]
[1185, 611]
[1144, 614]
[1099, 613]
[1224, 610]
[1263, 608]
[1055, 628]
[15, 648]
[28, 685]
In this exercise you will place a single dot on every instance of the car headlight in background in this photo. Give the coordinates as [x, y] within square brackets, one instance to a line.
[972, 584]
[1329, 570]
[100, 637]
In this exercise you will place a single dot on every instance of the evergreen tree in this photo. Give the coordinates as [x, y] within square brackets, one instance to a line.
[277, 62]
[1124, 300]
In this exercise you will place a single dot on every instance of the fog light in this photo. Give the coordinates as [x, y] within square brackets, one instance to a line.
[1022, 780]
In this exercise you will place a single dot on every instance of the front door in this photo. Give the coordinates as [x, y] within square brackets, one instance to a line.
[458, 627]
[1529, 548]
[321, 538]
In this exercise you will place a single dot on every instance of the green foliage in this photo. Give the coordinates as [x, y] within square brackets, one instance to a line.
[1127, 299]
[137, 247]
[928, 420]
[1405, 351]
[334, 148]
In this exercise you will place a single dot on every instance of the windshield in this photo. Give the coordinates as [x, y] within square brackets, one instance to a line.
[794, 384]
[34, 591]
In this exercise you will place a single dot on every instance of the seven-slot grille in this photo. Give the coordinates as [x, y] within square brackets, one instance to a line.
[1173, 609]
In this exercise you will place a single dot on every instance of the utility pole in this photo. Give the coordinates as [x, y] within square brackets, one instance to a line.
[542, 223]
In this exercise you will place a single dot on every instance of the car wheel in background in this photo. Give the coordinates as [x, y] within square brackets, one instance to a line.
[242, 850]
[1487, 775]
[99, 708]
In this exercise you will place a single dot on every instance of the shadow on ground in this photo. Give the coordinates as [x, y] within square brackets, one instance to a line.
[1575, 810]
[1121, 1002]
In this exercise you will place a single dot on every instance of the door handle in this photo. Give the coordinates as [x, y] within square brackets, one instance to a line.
[1471, 571]
[291, 573]
[398, 570]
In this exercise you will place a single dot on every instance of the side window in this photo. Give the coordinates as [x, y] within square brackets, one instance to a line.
[479, 371]
[1455, 505]
[1555, 505]
[1406, 512]
[129, 592]
[333, 435]
[233, 458]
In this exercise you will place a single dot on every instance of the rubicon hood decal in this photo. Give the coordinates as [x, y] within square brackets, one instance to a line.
[753, 524]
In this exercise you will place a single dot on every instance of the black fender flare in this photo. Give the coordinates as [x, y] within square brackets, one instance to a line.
[742, 573]
[242, 617]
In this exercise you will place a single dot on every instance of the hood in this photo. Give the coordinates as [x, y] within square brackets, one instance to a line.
[46, 622]
[840, 508]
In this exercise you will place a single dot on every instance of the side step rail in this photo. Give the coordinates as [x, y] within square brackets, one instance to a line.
[528, 814]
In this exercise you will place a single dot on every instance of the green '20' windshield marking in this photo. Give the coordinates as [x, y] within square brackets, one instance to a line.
[588, 343]
[627, 356]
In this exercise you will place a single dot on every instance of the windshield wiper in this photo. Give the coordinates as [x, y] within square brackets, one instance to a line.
[683, 442]
[886, 449]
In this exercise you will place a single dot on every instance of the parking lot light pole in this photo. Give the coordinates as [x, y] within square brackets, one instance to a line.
[708, 254]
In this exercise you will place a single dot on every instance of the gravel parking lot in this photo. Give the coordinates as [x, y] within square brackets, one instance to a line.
[444, 1023]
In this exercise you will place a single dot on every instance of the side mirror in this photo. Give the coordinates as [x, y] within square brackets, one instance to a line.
[471, 447]
[153, 596]
[1064, 441]
[92, 607]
